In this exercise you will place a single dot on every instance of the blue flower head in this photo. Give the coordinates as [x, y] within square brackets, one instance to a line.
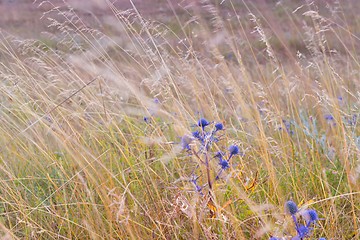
[233, 150]
[329, 117]
[310, 216]
[219, 126]
[185, 142]
[203, 123]
[197, 187]
[352, 120]
[274, 238]
[224, 164]
[146, 119]
[286, 123]
[313, 215]
[156, 100]
[303, 231]
[291, 208]
[196, 134]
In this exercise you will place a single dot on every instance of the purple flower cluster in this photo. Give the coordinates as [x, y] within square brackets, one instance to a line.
[225, 162]
[303, 230]
[205, 137]
[351, 121]
[287, 125]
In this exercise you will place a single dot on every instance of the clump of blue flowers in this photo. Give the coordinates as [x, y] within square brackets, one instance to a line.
[287, 125]
[303, 230]
[330, 120]
[199, 144]
[224, 163]
[204, 136]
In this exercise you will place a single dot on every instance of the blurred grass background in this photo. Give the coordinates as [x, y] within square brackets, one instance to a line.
[78, 161]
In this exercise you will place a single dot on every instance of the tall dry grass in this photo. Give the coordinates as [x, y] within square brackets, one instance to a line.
[78, 161]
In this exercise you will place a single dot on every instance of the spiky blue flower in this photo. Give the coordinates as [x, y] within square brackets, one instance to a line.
[287, 125]
[185, 142]
[310, 216]
[224, 164]
[146, 119]
[203, 123]
[340, 98]
[352, 121]
[197, 135]
[313, 215]
[291, 207]
[219, 126]
[303, 231]
[329, 117]
[197, 187]
[233, 150]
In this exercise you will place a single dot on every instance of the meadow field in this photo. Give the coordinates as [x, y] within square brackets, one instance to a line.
[180, 119]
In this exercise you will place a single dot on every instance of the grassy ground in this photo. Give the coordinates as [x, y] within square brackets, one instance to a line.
[96, 101]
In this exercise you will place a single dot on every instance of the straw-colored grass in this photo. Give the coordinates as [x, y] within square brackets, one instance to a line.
[78, 161]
